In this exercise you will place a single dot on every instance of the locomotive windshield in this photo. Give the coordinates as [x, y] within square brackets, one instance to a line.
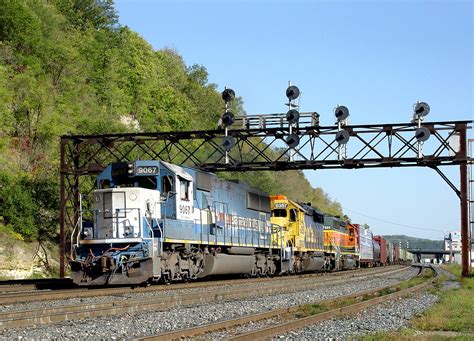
[149, 182]
[279, 213]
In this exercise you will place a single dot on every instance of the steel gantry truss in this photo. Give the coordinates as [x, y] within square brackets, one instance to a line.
[265, 142]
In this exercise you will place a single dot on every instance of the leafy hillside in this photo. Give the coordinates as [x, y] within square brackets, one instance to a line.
[69, 67]
[416, 243]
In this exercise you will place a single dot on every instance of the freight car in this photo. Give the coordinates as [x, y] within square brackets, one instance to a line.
[382, 243]
[396, 253]
[366, 246]
[390, 255]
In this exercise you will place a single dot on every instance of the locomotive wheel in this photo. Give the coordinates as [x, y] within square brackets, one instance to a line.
[166, 279]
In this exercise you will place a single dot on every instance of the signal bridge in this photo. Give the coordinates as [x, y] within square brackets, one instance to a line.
[278, 142]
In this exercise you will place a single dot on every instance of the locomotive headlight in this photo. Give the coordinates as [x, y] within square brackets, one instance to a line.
[131, 168]
[132, 197]
[87, 233]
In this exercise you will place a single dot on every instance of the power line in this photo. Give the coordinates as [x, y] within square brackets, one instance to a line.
[392, 223]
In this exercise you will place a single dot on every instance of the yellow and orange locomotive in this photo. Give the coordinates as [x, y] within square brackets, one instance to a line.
[316, 241]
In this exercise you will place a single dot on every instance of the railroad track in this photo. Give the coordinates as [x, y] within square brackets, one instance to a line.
[42, 316]
[291, 316]
[21, 285]
[12, 296]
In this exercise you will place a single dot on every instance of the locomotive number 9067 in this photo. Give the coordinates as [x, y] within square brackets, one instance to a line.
[184, 209]
[151, 170]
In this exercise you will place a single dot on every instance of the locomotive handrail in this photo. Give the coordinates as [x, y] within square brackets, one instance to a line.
[152, 237]
[78, 223]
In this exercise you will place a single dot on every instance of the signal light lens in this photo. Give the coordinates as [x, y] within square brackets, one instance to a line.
[341, 112]
[292, 92]
[228, 95]
[292, 116]
[227, 119]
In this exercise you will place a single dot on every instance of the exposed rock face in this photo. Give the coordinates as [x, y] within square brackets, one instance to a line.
[19, 259]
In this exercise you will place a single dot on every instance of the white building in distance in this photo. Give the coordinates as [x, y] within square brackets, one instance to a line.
[452, 242]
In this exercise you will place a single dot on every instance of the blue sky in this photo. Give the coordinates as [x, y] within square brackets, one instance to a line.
[375, 57]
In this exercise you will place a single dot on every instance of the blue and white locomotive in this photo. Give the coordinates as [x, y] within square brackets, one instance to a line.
[153, 221]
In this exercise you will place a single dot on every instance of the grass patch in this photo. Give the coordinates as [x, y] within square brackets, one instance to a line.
[427, 274]
[311, 309]
[454, 310]
[405, 334]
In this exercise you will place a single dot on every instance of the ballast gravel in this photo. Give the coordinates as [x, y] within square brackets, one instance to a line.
[389, 316]
[141, 324]
[152, 294]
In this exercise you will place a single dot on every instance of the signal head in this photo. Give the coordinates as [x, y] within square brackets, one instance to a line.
[422, 134]
[292, 92]
[342, 137]
[228, 95]
[227, 143]
[227, 119]
[292, 140]
[421, 109]
[292, 116]
[341, 112]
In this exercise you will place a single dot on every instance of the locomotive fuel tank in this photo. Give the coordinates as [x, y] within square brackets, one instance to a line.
[224, 264]
[314, 262]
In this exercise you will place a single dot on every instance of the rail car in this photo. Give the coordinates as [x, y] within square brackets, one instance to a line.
[150, 221]
[366, 246]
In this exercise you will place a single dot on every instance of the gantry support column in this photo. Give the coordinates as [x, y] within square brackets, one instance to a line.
[465, 254]
[62, 214]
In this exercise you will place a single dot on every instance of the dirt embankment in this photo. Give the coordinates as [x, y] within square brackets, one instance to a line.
[19, 259]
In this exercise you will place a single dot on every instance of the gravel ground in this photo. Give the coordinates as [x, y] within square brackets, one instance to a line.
[141, 324]
[150, 294]
[451, 282]
[389, 316]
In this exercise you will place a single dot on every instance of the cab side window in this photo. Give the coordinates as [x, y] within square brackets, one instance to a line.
[293, 215]
[166, 185]
[184, 189]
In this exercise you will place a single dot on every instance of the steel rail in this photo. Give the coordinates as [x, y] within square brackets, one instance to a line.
[15, 297]
[289, 312]
[16, 288]
[42, 316]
